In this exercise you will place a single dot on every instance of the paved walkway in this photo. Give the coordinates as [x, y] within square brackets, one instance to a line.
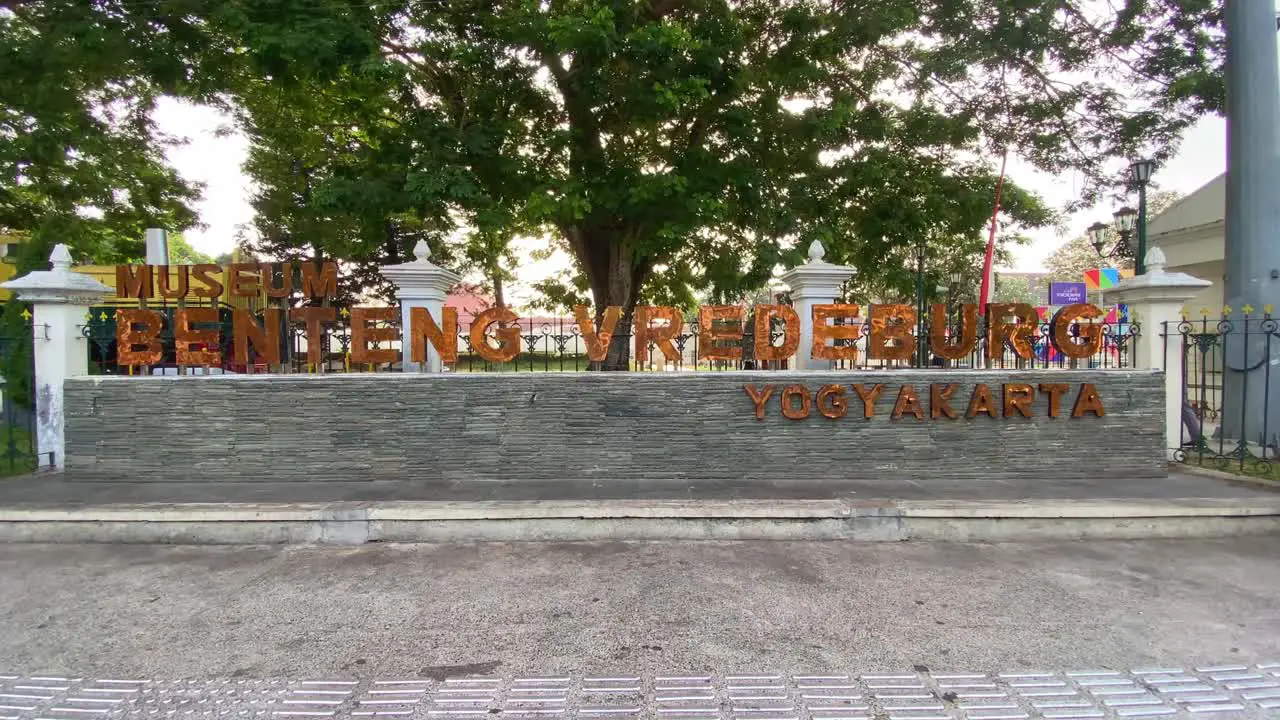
[643, 608]
[643, 631]
[1235, 691]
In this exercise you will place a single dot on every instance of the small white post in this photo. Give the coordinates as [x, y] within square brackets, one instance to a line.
[420, 283]
[817, 282]
[1155, 301]
[157, 242]
[60, 300]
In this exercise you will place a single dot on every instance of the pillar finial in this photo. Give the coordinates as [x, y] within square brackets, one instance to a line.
[1154, 261]
[422, 251]
[60, 258]
[816, 252]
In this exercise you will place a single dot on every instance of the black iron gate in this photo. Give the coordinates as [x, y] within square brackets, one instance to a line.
[18, 441]
[1229, 414]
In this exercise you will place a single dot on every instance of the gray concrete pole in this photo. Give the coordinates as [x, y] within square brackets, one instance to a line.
[1252, 251]
[157, 242]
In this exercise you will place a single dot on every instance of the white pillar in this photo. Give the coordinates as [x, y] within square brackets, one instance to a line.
[815, 283]
[420, 284]
[60, 299]
[1155, 301]
[157, 241]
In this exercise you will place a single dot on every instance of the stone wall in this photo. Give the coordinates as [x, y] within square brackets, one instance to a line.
[601, 427]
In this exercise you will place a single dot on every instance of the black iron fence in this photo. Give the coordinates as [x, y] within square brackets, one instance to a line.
[19, 451]
[558, 344]
[1230, 399]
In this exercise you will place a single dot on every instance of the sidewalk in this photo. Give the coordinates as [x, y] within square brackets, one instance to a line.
[49, 509]
[50, 490]
[1234, 691]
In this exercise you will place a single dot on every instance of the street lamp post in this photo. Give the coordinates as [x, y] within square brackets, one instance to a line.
[1140, 173]
[1123, 221]
[954, 316]
[920, 344]
[953, 297]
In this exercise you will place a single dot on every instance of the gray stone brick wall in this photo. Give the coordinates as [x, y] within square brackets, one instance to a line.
[591, 426]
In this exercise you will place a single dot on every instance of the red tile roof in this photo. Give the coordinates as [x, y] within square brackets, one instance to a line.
[469, 301]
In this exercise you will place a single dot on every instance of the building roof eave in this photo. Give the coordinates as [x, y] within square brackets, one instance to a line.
[1186, 234]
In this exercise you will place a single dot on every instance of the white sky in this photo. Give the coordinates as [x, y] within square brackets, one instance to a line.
[216, 161]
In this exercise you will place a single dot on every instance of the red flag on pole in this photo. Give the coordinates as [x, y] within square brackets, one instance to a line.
[988, 274]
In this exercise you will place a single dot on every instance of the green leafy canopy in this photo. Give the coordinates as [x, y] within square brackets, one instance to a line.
[677, 146]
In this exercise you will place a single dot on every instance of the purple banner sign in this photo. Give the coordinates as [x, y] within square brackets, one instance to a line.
[1067, 293]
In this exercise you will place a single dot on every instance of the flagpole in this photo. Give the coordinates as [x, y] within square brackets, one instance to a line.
[988, 259]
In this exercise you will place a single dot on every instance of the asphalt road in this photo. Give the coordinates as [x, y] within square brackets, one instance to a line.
[635, 608]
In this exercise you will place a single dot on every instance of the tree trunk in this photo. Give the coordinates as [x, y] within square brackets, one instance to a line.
[498, 299]
[618, 358]
[615, 276]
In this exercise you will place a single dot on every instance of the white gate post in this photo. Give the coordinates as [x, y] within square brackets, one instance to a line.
[1155, 301]
[817, 282]
[60, 300]
[420, 283]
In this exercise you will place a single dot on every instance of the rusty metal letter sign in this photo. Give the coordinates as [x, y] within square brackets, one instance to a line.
[765, 315]
[716, 323]
[314, 317]
[1089, 334]
[508, 337]
[891, 337]
[264, 338]
[948, 347]
[720, 331]
[597, 339]
[364, 331]
[425, 330]
[138, 337]
[162, 282]
[242, 279]
[1015, 400]
[831, 401]
[131, 283]
[185, 336]
[659, 335]
[1017, 334]
[822, 332]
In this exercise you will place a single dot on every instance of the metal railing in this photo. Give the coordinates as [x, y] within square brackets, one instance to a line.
[1229, 417]
[19, 452]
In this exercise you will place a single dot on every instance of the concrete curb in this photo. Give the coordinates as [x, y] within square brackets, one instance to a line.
[351, 523]
[1249, 480]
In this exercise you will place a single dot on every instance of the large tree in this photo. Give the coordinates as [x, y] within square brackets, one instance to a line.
[682, 145]
[81, 162]
[677, 146]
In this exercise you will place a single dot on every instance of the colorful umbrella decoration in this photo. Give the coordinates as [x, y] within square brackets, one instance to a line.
[1103, 278]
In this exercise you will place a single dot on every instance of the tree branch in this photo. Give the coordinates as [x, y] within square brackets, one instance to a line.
[660, 9]
[410, 56]
[584, 130]
[1100, 36]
